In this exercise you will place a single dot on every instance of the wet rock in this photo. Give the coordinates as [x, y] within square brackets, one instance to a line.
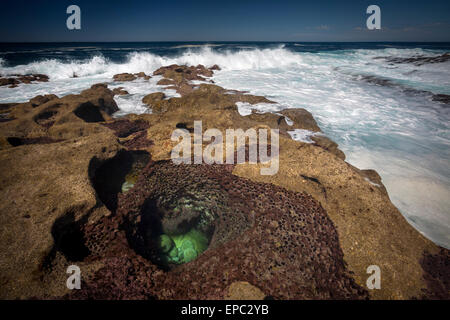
[442, 98]
[124, 77]
[418, 60]
[180, 77]
[14, 80]
[8, 81]
[165, 82]
[142, 75]
[215, 67]
[151, 98]
[302, 119]
[119, 91]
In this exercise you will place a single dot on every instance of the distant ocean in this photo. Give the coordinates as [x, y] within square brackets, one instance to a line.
[379, 111]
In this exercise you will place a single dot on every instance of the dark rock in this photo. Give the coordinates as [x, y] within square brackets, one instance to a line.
[124, 127]
[418, 60]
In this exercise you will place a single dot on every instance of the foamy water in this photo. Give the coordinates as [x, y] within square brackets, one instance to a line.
[395, 130]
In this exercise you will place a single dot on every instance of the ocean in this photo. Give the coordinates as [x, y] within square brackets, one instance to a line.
[368, 97]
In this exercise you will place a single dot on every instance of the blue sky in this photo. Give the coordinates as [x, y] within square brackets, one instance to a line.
[136, 20]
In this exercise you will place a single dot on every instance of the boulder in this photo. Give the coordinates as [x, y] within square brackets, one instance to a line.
[124, 77]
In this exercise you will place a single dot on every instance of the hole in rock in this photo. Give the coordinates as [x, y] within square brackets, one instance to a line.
[89, 113]
[174, 233]
[115, 175]
[69, 239]
[15, 141]
[46, 118]
[182, 125]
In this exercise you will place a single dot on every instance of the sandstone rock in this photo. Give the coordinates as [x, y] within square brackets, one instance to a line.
[12, 82]
[243, 290]
[151, 98]
[142, 75]
[165, 82]
[61, 118]
[302, 119]
[277, 232]
[38, 100]
[180, 77]
[119, 91]
[8, 81]
[39, 216]
[329, 145]
[124, 77]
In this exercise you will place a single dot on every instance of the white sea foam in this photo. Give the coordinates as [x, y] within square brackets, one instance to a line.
[404, 137]
[302, 135]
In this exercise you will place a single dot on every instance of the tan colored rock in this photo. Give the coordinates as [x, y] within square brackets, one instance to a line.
[47, 187]
[243, 290]
[124, 77]
[38, 100]
[302, 119]
[142, 75]
[165, 82]
[151, 98]
[329, 145]
[119, 91]
[41, 185]
[62, 118]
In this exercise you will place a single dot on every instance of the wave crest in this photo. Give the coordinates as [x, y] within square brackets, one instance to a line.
[148, 62]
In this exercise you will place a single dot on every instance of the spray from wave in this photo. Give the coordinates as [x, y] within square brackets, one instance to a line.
[255, 59]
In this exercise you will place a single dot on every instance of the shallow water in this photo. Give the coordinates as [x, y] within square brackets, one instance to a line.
[395, 129]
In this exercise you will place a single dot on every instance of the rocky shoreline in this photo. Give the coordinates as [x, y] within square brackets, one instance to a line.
[82, 187]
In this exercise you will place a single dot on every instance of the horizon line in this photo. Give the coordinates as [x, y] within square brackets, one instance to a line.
[208, 41]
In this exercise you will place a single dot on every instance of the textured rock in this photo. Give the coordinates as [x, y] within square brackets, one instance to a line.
[179, 77]
[243, 290]
[302, 119]
[46, 157]
[124, 77]
[297, 258]
[418, 60]
[80, 187]
[120, 91]
[153, 97]
[13, 81]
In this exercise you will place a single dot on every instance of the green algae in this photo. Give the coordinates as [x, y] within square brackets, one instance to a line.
[130, 180]
[183, 248]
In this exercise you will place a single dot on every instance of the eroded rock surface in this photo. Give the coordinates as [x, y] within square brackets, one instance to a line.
[79, 186]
